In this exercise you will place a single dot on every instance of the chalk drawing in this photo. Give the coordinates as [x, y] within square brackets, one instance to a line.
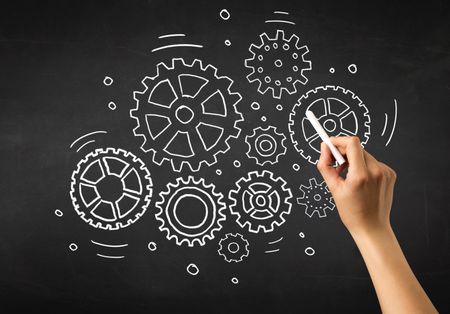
[332, 70]
[234, 280]
[296, 167]
[112, 105]
[92, 180]
[227, 43]
[352, 68]
[218, 172]
[255, 105]
[279, 107]
[260, 201]
[310, 251]
[109, 245]
[394, 124]
[192, 269]
[263, 118]
[316, 198]
[265, 145]
[108, 81]
[178, 198]
[58, 213]
[275, 62]
[73, 247]
[171, 35]
[237, 163]
[338, 110]
[110, 256]
[152, 246]
[186, 114]
[85, 136]
[301, 235]
[224, 14]
[233, 248]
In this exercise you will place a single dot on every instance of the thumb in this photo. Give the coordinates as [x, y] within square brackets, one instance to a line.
[326, 169]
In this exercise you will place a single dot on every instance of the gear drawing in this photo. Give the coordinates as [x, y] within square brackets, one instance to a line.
[233, 247]
[260, 201]
[176, 208]
[186, 114]
[316, 198]
[338, 110]
[278, 63]
[110, 188]
[265, 145]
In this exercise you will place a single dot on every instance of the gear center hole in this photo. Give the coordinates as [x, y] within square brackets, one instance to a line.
[233, 247]
[191, 212]
[317, 197]
[266, 145]
[184, 114]
[329, 125]
[278, 63]
[110, 188]
[260, 200]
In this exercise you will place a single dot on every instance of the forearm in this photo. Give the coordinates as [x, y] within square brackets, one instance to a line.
[396, 286]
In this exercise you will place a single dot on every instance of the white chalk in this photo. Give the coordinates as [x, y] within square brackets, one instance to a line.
[324, 136]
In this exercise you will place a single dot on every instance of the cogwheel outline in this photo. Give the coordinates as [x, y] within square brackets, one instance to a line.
[176, 230]
[309, 146]
[256, 152]
[135, 165]
[172, 76]
[230, 255]
[286, 45]
[275, 189]
[316, 198]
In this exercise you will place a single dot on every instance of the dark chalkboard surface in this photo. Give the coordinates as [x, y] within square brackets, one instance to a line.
[154, 156]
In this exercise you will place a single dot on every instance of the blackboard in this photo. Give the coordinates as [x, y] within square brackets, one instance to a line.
[70, 69]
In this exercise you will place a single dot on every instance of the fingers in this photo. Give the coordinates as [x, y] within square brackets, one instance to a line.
[351, 147]
[326, 169]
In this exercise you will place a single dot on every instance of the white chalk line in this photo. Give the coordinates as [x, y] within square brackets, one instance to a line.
[280, 21]
[109, 256]
[171, 35]
[109, 245]
[81, 137]
[88, 142]
[395, 122]
[177, 45]
[272, 251]
[276, 241]
[385, 124]
[281, 12]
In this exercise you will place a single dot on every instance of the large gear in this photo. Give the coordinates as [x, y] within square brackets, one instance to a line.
[316, 198]
[176, 208]
[260, 201]
[186, 114]
[233, 247]
[278, 63]
[338, 110]
[110, 188]
[265, 145]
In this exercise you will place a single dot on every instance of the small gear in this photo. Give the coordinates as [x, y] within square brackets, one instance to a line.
[233, 247]
[260, 201]
[265, 145]
[338, 110]
[177, 206]
[186, 114]
[316, 198]
[278, 64]
[110, 188]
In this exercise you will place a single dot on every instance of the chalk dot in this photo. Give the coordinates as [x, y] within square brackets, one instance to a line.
[73, 247]
[192, 269]
[218, 172]
[331, 70]
[295, 68]
[275, 46]
[108, 81]
[295, 55]
[278, 63]
[286, 47]
[266, 48]
[309, 251]
[58, 213]
[352, 68]
[237, 163]
[260, 70]
[224, 14]
[279, 107]
[267, 79]
[263, 118]
[296, 167]
[235, 280]
[227, 43]
[289, 79]
[152, 246]
[260, 57]
[301, 235]
[255, 105]
[112, 105]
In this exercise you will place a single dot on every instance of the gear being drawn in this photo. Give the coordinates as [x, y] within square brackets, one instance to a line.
[110, 188]
[338, 110]
[233, 247]
[265, 145]
[316, 198]
[260, 201]
[186, 114]
[278, 64]
[179, 202]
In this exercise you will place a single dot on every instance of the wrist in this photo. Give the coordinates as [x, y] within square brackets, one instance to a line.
[372, 233]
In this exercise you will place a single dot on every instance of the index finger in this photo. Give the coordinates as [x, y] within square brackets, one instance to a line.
[351, 147]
